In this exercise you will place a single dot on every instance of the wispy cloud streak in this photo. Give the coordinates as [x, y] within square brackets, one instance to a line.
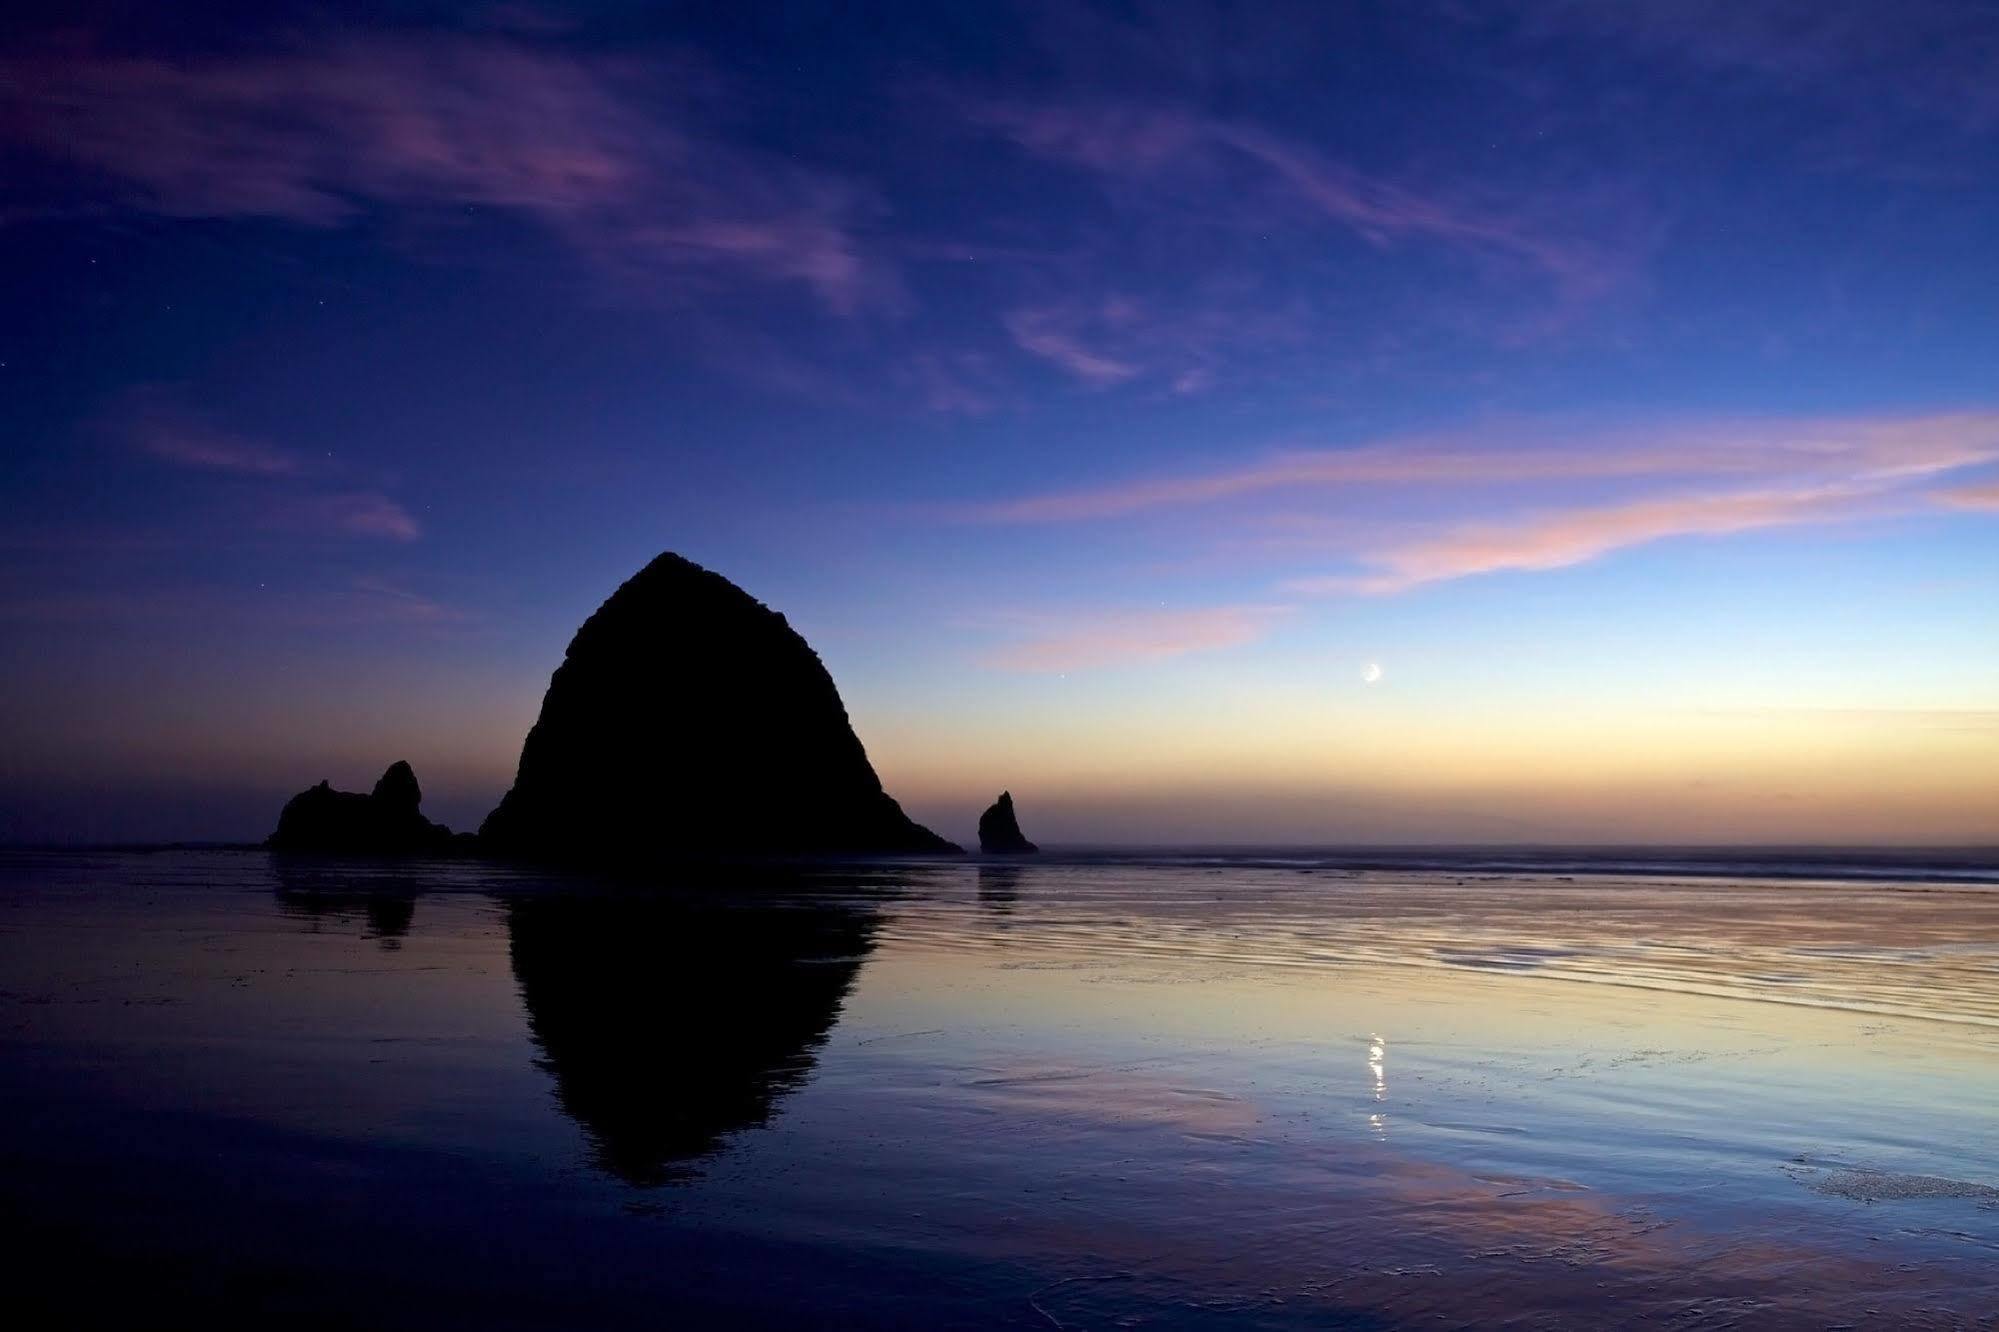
[1982, 497]
[1881, 451]
[363, 602]
[1047, 334]
[1559, 499]
[368, 515]
[1115, 638]
[292, 495]
[574, 145]
[1129, 143]
[1559, 540]
[1931, 56]
[194, 445]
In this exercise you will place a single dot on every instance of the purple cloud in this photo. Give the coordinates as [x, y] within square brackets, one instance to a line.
[294, 495]
[192, 444]
[1154, 145]
[377, 601]
[361, 514]
[956, 384]
[362, 602]
[571, 144]
[1050, 334]
[1180, 341]
[1928, 56]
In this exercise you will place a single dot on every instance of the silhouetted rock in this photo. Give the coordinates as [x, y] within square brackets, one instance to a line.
[999, 830]
[687, 719]
[384, 822]
[397, 789]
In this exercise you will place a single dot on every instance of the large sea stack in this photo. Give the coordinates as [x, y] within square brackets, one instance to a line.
[688, 719]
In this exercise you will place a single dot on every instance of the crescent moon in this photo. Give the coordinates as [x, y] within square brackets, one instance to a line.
[1371, 672]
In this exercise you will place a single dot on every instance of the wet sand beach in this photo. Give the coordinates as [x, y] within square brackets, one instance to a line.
[1100, 1093]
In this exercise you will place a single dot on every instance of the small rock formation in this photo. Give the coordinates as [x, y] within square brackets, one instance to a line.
[687, 719]
[383, 822]
[999, 830]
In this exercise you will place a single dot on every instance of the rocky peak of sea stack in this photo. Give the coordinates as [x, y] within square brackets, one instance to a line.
[999, 830]
[397, 789]
[689, 719]
[385, 821]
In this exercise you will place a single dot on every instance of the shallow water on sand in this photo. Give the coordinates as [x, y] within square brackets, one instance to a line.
[1103, 1094]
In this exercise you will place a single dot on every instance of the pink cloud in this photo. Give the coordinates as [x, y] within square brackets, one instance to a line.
[799, 248]
[1042, 332]
[1547, 498]
[1377, 209]
[370, 515]
[1121, 638]
[356, 514]
[373, 599]
[569, 143]
[1983, 497]
[1559, 540]
[191, 444]
[1179, 340]
[290, 493]
[1882, 451]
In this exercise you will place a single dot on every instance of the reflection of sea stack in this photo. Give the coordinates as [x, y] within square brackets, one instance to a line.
[999, 887]
[687, 718]
[383, 822]
[999, 830]
[383, 895]
[670, 1022]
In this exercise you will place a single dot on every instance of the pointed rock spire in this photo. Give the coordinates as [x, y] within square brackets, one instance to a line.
[999, 830]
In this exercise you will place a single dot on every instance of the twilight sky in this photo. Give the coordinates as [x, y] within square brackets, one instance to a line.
[1532, 420]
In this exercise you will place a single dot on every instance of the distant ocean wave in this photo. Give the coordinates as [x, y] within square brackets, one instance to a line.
[1945, 865]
